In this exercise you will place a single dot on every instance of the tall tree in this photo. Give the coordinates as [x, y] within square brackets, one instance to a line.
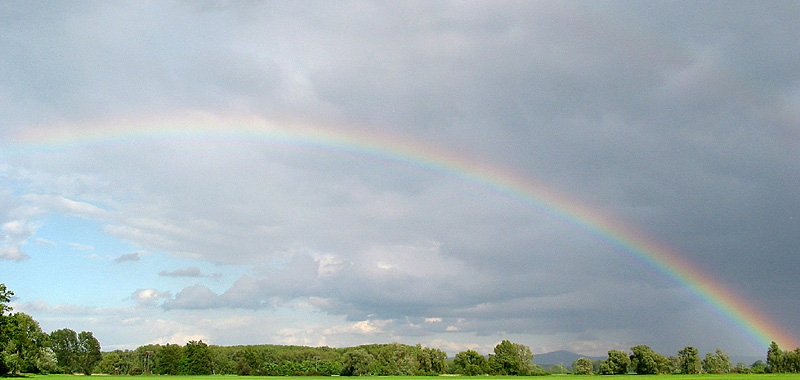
[88, 352]
[792, 360]
[470, 363]
[776, 362]
[758, 366]
[168, 359]
[690, 360]
[196, 359]
[616, 364]
[582, 366]
[646, 361]
[359, 362]
[717, 363]
[5, 299]
[673, 364]
[26, 343]
[64, 343]
[431, 361]
[111, 364]
[396, 359]
[511, 359]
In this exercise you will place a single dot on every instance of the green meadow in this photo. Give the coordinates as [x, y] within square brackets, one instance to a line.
[765, 376]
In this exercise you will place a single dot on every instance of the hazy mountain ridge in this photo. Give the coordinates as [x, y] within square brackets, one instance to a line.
[566, 358]
[561, 357]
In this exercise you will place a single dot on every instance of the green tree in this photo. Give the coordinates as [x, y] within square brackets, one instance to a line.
[431, 361]
[559, 369]
[758, 366]
[64, 343]
[511, 359]
[359, 362]
[645, 361]
[470, 363]
[46, 361]
[741, 367]
[396, 360]
[196, 359]
[582, 366]
[717, 363]
[111, 364]
[5, 299]
[246, 362]
[168, 359]
[792, 360]
[616, 364]
[673, 364]
[690, 360]
[776, 361]
[25, 342]
[87, 352]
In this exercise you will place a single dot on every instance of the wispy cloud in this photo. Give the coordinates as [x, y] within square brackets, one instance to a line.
[128, 257]
[188, 272]
[12, 252]
[46, 242]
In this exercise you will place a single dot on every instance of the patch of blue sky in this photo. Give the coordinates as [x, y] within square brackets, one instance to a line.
[72, 258]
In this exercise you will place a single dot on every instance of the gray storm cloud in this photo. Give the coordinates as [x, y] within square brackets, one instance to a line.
[676, 120]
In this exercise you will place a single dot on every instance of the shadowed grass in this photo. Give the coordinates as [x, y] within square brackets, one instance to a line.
[733, 376]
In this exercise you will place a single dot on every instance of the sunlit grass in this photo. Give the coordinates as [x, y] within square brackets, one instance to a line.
[767, 376]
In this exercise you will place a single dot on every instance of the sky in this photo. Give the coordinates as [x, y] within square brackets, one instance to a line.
[585, 175]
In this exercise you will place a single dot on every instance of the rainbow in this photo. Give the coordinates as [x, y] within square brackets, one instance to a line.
[203, 127]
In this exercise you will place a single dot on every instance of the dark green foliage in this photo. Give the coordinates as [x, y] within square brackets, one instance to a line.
[88, 352]
[718, 363]
[646, 361]
[758, 366]
[689, 360]
[25, 346]
[511, 359]
[776, 360]
[582, 366]
[430, 361]
[470, 363]
[196, 359]
[616, 364]
[673, 364]
[5, 298]
[359, 362]
[741, 367]
[64, 343]
[168, 359]
[793, 360]
[396, 360]
[111, 364]
[779, 361]
[246, 362]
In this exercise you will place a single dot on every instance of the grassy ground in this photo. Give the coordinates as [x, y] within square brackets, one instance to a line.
[769, 376]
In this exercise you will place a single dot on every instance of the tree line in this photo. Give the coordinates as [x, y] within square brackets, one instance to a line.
[24, 348]
[643, 360]
[198, 358]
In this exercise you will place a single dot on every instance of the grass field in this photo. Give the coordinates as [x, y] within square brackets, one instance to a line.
[768, 376]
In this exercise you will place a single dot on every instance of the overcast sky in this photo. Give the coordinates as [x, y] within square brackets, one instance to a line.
[678, 120]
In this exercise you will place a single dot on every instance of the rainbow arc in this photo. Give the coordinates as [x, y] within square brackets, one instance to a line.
[660, 258]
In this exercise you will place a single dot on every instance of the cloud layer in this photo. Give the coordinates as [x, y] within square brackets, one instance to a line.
[678, 122]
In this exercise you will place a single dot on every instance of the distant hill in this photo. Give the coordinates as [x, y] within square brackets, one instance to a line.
[561, 357]
[566, 358]
[749, 360]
